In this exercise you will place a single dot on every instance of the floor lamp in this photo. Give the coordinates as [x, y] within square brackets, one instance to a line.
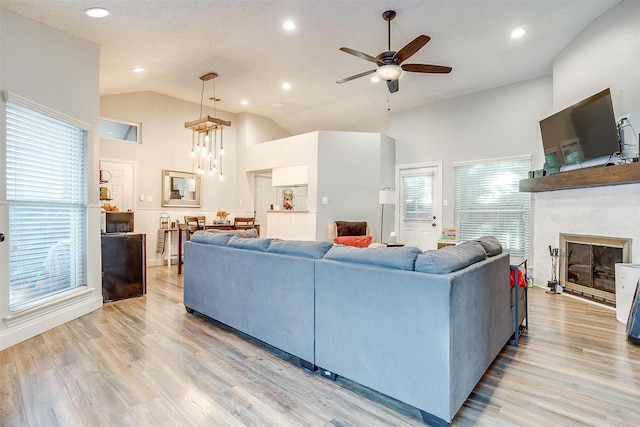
[386, 197]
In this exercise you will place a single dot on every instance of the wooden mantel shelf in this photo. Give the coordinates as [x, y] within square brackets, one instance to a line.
[588, 177]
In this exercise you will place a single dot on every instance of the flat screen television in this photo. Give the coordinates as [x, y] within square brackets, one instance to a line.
[586, 130]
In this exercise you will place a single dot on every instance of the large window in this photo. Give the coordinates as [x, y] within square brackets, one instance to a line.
[487, 202]
[46, 176]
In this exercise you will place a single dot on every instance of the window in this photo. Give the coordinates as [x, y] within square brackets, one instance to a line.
[416, 194]
[487, 202]
[120, 130]
[46, 186]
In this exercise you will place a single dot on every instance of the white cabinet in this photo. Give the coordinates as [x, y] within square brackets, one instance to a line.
[627, 276]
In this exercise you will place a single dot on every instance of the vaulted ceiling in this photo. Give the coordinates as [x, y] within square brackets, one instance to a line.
[244, 41]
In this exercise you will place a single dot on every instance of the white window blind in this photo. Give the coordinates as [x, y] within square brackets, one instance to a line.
[46, 187]
[416, 194]
[487, 202]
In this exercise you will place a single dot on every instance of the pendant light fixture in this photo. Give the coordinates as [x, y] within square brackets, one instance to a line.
[207, 146]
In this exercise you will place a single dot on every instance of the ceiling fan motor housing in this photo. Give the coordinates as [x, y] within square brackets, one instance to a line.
[386, 58]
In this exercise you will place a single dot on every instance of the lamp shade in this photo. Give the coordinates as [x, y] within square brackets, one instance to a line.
[389, 72]
[387, 197]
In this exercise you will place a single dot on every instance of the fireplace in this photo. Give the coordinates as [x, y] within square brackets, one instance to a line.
[587, 265]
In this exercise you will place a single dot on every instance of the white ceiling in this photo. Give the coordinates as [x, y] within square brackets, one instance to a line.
[243, 41]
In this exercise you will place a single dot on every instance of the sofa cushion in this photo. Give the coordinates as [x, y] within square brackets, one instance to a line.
[400, 258]
[306, 249]
[220, 239]
[491, 245]
[357, 241]
[249, 243]
[450, 258]
[252, 232]
[350, 228]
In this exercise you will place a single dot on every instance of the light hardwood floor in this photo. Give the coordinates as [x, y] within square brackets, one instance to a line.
[145, 361]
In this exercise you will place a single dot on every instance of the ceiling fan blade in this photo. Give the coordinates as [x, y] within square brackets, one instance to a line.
[357, 76]
[392, 85]
[359, 54]
[425, 68]
[411, 48]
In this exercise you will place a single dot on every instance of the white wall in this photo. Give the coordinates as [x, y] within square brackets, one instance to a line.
[257, 129]
[605, 54]
[252, 130]
[61, 72]
[352, 169]
[496, 123]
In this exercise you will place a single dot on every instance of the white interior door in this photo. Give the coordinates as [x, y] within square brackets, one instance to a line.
[264, 195]
[119, 183]
[418, 213]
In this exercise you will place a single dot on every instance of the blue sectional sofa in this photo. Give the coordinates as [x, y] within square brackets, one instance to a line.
[419, 327]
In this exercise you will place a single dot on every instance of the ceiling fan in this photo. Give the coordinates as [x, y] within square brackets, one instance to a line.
[389, 63]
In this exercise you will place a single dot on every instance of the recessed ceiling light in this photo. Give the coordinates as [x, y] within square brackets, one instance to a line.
[286, 86]
[289, 25]
[517, 33]
[244, 102]
[137, 69]
[96, 12]
[375, 79]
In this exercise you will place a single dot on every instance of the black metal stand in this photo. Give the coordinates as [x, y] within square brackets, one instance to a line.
[519, 327]
[553, 284]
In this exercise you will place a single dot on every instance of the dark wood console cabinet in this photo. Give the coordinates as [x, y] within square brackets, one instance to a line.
[588, 177]
[124, 262]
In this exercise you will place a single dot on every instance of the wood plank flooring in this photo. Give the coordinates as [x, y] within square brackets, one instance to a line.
[146, 362]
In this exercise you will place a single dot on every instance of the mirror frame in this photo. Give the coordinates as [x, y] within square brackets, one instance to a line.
[167, 176]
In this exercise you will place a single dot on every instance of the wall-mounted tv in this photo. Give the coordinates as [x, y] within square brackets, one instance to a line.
[583, 131]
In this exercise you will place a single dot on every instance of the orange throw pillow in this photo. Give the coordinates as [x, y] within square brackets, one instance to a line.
[357, 241]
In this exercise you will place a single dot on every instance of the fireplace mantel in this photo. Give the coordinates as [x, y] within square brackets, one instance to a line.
[588, 177]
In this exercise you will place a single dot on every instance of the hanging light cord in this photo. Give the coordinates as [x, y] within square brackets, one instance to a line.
[201, 98]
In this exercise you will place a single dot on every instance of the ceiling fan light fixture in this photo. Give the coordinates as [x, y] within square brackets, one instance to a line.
[389, 72]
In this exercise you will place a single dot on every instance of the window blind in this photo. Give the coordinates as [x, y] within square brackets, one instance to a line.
[416, 194]
[488, 202]
[46, 187]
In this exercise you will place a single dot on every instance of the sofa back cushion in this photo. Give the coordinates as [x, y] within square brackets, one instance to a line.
[400, 258]
[251, 232]
[305, 249]
[249, 243]
[450, 258]
[220, 239]
[491, 245]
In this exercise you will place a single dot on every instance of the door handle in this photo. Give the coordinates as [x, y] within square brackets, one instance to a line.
[1, 237]
[434, 224]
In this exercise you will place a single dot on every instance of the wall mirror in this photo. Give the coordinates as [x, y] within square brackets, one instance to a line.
[180, 189]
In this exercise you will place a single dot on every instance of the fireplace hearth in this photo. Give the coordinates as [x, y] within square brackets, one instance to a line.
[587, 265]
